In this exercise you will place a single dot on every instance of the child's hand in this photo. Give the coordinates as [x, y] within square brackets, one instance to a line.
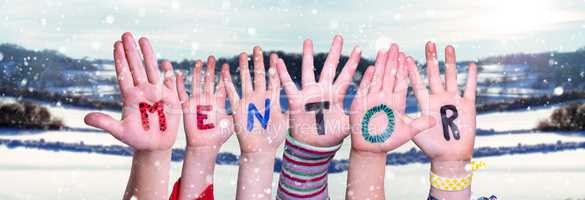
[151, 112]
[377, 116]
[259, 121]
[206, 121]
[316, 111]
[455, 142]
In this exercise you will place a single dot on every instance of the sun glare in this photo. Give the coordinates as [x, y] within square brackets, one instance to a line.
[513, 16]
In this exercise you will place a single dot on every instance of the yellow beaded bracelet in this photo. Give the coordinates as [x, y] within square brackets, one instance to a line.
[455, 184]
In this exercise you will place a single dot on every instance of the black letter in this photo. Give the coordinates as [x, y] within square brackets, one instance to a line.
[448, 122]
[318, 106]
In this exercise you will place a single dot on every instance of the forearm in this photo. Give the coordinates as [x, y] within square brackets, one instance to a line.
[197, 174]
[149, 175]
[366, 175]
[255, 175]
[304, 171]
[451, 169]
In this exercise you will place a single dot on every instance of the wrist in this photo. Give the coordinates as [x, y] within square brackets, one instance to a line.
[258, 158]
[451, 169]
[259, 154]
[368, 155]
[201, 154]
[152, 155]
[211, 150]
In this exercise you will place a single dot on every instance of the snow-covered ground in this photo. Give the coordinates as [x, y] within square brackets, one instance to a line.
[34, 174]
[67, 175]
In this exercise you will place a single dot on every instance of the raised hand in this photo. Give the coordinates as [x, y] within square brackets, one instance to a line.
[377, 116]
[316, 112]
[449, 144]
[379, 123]
[150, 117]
[206, 121]
[453, 137]
[207, 126]
[259, 123]
[151, 112]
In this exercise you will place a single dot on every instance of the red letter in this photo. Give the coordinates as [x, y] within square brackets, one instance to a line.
[157, 107]
[202, 116]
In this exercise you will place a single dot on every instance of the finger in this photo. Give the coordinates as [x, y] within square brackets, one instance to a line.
[308, 67]
[183, 97]
[196, 79]
[289, 86]
[433, 68]
[470, 88]
[134, 61]
[169, 76]
[365, 82]
[450, 69]
[274, 82]
[401, 85]
[330, 67]
[391, 68]
[152, 71]
[221, 93]
[346, 75]
[420, 124]
[381, 59]
[418, 86]
[105, 122]
[232, 94]
[122, 70]
[209, 84]
[259, 70]
[245, 75]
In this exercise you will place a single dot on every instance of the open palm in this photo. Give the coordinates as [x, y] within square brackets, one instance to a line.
[435, 143]
[255, 134]
[206, 121]
[151, 112]
[377, 114]
[316, 112]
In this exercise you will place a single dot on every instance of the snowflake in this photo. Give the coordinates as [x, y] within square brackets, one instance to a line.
[23, 82]
[226, 5]
[109, 19]
[558, 91]
[194, 46]
[333, 24]
[96, 45]
[251, 31]
[175, 5]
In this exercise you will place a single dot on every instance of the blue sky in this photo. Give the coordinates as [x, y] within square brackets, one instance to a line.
[195, 29]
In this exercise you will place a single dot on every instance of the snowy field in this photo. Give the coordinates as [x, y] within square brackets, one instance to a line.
[67, 175]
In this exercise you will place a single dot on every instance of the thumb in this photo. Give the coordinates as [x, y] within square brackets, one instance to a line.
[104, 122]
[422, 123]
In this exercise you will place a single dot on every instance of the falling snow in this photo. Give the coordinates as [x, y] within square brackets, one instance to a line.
[109, 19]
[251, 31]
[333, 24]
[558, 91]
[194, 46]
[175, 5]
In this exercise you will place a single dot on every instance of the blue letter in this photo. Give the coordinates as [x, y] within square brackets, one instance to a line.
[253, 111]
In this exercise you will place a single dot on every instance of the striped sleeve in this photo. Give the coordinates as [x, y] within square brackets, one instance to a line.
[304, 171]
